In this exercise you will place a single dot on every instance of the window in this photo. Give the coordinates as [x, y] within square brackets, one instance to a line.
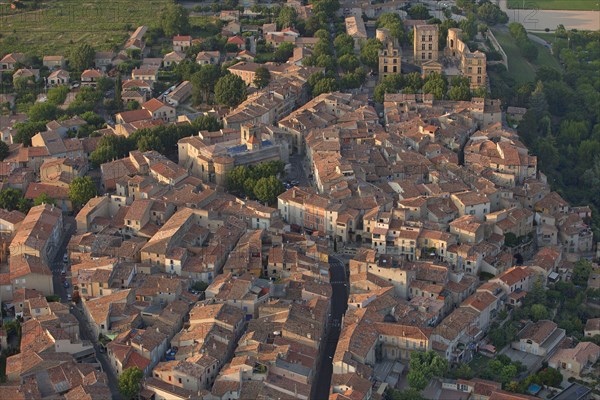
[385, 68]
[430, 46]
[430, 38]
[423, 46]
[422, 38]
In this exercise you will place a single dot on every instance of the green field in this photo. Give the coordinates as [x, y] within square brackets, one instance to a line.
[578, 5]
[61, 24]
[518, 67]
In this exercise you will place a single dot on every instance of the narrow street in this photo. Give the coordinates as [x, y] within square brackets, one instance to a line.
[339, 304]
[85, 332]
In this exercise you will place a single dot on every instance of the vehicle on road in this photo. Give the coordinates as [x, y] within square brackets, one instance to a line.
[69, 297]
[66, 258]
[66, 284]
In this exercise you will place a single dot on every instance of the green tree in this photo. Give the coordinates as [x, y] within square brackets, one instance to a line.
[57, 95]
[4, 151]
[118, 90]
[344, 44]
[262, 77]
[43, 199]
[435, 84]
[348, 62]
[423, 367]
[81, 190]
[287, 17]
[130, 382]
[326, 7]
[408, 394]
[469, 27]
[82, 57]
[203, 82]
[581, 272]
[175, 20]
[419, 11]
[389, 84]
[200, 286]
[369, 53]
[266, 190]
[460, 89]
[42, 112]
[539, 312]
[230, 90]
[283, 52]
[537, 294]
[207, 123]
[492, 14]
[9, 199]
[150, 142]
[26, 130]
[325, 85]
[393, 23]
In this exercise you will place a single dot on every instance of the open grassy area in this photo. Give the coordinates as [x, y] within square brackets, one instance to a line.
[61, 24]
[518, 67]
[576, 5]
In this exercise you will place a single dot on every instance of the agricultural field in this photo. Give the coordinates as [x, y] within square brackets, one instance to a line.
[575, 5]
[61, 24]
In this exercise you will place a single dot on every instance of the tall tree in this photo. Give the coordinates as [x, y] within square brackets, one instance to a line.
[4, 150]
[262, 77]
[175, 20]
[82, 57]
[369, 53]
[129, 382]
[203, 82]
[43, 199]
[423, 367]
[435, 84]
[118, 89]
[206, 123]
[537, 101]
[266, 190]
[393, 23]
[230, 90]
[81, 190]
[287, 17]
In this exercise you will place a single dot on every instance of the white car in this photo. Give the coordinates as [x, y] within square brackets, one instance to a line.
[66, 258]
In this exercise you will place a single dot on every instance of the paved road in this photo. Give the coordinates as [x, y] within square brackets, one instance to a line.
[535, 19]
[298, 171]
[85, 332]
[339, 304]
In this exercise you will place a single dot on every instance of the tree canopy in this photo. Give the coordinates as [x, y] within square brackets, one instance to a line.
[129, 382]
[423, 367]
[82, 57]
[175, 20]
[81, 190]
[230, 90]
[262, 77]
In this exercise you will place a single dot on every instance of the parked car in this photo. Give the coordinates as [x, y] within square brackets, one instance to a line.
[66, 284]
[66, 258]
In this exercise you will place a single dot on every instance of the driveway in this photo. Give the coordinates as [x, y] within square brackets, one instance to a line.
[538, 20]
